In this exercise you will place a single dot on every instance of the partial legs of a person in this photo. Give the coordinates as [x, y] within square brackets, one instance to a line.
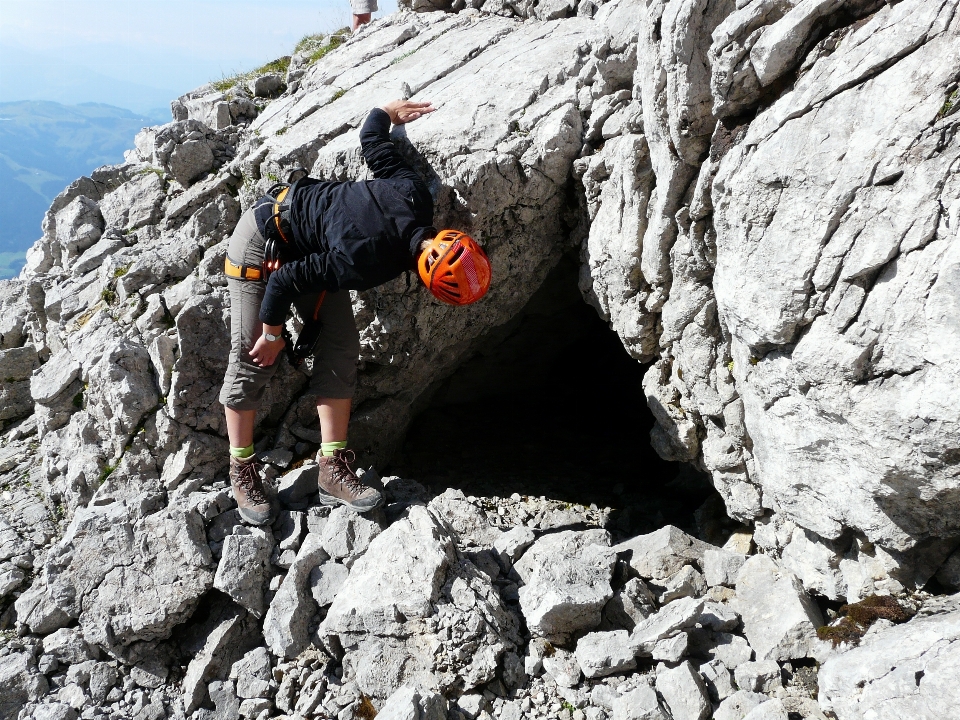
[362, 12]
[245, 381]
[334, 381]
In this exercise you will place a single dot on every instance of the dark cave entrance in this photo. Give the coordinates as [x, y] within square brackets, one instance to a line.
[553, 406]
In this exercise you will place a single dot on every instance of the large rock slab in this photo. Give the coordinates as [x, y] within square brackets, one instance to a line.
[566, 579]
[684, 693]
[779, 619]
[398, 578]
[410, 703]
[243, 568]
[605, 653]
[129, 578]
[662, 553]
[19, 682]
[287, 621]
[905, 671]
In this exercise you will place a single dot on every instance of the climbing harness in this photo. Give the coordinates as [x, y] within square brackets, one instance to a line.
[278, 233]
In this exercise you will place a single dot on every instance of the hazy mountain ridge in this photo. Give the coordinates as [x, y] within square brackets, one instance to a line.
[44, 145]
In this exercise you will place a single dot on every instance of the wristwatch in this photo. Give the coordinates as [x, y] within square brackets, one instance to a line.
[271, 337]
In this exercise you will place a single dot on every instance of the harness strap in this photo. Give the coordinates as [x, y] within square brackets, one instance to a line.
[281, 213]
[316, 310]
[242, 272]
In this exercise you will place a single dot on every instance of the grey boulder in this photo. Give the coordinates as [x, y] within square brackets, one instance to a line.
[128, 578]
[779, 619]
[662, 553]
[287, 620]
[566, 579]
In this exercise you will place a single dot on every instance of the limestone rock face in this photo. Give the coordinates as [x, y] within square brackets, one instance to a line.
[833, 319]
[767, 312]
[765, 202]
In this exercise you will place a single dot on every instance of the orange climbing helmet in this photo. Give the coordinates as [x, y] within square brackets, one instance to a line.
[454, 268]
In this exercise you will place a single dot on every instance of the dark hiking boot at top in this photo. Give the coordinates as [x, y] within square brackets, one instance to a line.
[252, 495]
[339, 485]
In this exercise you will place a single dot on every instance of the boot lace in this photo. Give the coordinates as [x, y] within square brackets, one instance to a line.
[249, 480]
[344, 474]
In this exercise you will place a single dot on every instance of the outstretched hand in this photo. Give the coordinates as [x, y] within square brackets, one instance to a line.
[404, 111]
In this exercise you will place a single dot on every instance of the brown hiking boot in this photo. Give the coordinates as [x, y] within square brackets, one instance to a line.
[252, 496]
[337, 483]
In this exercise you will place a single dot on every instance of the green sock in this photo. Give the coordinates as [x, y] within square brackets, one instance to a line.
[326, 449]
[241, 453]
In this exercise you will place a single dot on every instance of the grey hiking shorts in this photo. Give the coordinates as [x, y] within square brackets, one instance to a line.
[362, 7]
[337, 352]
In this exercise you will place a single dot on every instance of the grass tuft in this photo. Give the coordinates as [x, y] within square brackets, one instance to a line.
[365, 709]
[310, 43]
[274, 67]
[403, 57]
[333, 42]
[949, 104]
[105, 473]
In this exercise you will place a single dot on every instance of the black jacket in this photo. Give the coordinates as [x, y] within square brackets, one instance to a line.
[353, 235]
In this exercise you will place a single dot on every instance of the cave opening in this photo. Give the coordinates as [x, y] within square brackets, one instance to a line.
[553, 406]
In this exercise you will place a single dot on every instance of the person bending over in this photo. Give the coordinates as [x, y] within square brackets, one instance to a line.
[309, 244]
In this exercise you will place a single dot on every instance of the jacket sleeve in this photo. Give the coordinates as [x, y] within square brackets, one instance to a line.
[331, 271]
[382, 156]
[313, 273]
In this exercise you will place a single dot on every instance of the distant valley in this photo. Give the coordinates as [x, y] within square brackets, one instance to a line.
[43, 147]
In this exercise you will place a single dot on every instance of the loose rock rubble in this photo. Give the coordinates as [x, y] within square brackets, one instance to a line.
[765, 201]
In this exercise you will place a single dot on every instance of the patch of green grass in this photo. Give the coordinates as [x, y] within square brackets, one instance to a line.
[282, 130]
[309, 43]
[338, 94]
[155, 170]
[949, 104]
[105, 473]
[567, 706]
[108, 296]
[272, 177]
[121, 271]
[403, 57]
[225, 83]
[274, 67]
[730, 366]
[278, 67]
[335, 40]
